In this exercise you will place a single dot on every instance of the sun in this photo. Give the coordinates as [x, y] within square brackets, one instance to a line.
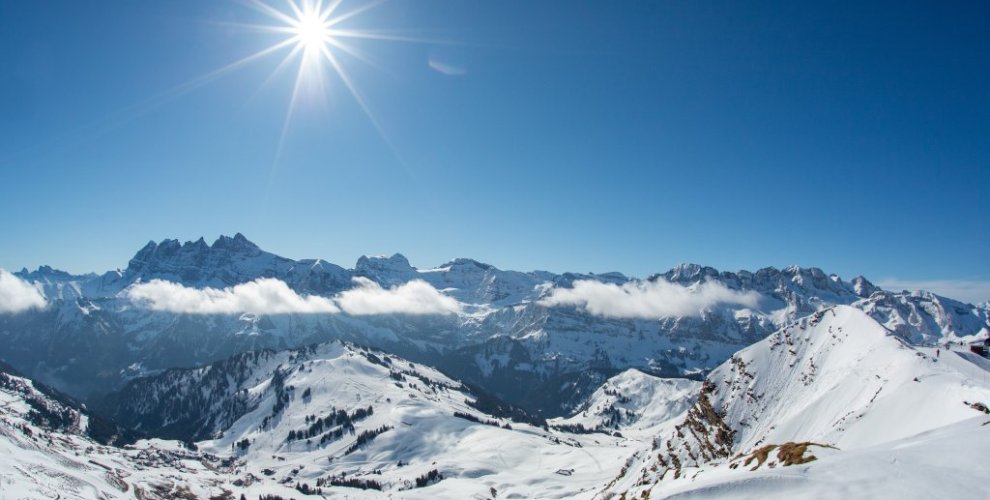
[315, 33]
[312, 33]
[314, 37]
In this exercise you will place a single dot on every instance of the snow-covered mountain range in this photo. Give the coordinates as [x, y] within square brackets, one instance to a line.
[540, 340]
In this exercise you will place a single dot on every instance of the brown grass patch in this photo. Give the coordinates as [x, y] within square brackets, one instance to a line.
[787, 454]
[760, 455]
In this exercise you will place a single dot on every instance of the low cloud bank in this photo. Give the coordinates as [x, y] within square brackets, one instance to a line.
[262, 296]
[273, 296]
[17, 295]
[647, 299]
[414, 297]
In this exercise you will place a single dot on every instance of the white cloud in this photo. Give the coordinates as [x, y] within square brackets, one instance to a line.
[273, 296]
[413, 297]
[445, 68]
[17, 295]
[647, 299]
[262, 296]
[971, 291]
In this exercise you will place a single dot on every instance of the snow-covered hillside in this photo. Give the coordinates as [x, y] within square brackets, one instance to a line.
[634, 403]
[47, 450]
[332, 418]
[832, 383]
[340, 414]
[948, 462]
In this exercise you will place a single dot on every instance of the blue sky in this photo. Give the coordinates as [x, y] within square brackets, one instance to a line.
[584, 136]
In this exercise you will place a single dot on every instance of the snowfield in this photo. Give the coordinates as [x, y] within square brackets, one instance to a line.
[948, 462]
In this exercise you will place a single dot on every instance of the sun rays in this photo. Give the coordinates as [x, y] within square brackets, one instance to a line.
[314, 37]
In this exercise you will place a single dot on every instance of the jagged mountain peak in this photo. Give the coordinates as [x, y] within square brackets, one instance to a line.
[690, 271]
[863, 287]
[236, 243]
[46, 273]
[395, 261]
[801, 270]
[811, 276]
[387, 271]
[171, 247]
[466, 262]
[568, 279]
[229, 260]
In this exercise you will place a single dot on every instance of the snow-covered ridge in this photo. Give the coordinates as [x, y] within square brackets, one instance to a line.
[633, 401]
[837, 380]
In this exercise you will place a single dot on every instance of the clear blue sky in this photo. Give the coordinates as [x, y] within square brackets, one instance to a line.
[585, 136]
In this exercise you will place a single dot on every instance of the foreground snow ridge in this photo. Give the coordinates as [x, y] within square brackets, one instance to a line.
[831, 386]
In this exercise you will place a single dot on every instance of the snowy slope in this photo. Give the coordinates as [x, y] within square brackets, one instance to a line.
[46, 452]
[837, 380]
[949, 462]
[633, 402]
[335, 417]
[855, 378]
[298, 416]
